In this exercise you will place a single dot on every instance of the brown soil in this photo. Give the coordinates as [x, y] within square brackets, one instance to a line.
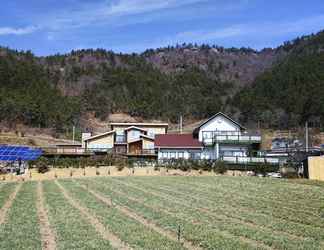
[7, 205]
[47, 235]
[140, 219]
[100, 228]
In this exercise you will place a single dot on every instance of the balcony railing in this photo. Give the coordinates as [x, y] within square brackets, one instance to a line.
[65, 151]
[211, 137]
[253, 160]
[143, 152]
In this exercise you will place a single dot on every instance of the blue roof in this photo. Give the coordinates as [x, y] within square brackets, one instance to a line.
[16, 153]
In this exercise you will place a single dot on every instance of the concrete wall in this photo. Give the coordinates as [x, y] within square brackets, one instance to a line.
[316, 168]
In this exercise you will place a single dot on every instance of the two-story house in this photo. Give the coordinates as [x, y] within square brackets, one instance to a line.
[218, 137]
[131, 139]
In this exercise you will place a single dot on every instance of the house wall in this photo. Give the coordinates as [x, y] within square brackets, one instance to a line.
[219, 123]
[101, 142]
[148, 144]
[316, 168]
[133, 134]
[168, 154]
[235, 150]
[151, 130]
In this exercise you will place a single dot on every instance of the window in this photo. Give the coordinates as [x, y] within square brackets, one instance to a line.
[207, 135]
[181, 155]
[173, 155]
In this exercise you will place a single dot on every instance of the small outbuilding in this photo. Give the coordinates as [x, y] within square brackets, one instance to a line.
[316, 168]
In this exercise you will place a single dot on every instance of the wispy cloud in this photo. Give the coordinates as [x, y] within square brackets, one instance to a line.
[17, 31]
[266, 29]
[126, 7]
[119, 12]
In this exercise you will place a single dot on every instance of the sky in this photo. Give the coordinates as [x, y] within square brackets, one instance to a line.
[58, 26]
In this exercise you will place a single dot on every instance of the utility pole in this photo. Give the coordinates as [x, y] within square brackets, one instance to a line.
[306, 134]
[73, 134]
[180, 124]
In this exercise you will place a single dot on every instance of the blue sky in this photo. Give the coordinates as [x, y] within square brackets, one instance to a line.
[58, 26]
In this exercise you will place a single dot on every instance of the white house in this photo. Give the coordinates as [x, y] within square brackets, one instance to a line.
[218, 137]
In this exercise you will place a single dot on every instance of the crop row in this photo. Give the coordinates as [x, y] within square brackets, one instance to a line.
[20, 229]
[238, 200]
[127, 229]
[236, 213]
[152, 205]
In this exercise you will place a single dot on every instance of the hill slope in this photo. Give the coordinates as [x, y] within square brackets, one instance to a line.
[292, 91]
[278, 87]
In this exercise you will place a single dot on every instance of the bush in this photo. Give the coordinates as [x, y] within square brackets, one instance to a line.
[220, 167]
[120, 168]
[42, 165]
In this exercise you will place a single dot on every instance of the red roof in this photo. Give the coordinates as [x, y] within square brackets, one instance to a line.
[176, 141]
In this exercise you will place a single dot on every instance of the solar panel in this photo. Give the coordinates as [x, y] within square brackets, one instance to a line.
[16, 153]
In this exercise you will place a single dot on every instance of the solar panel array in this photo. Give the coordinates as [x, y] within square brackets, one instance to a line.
[16, 153]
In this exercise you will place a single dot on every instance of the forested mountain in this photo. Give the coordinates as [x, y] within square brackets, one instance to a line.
[292, 91]
[278, 87]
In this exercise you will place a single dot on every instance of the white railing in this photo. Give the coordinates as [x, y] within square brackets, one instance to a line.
[212, 137]
[245, 160]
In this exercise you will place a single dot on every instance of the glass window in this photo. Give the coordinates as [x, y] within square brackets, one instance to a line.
[181, 155]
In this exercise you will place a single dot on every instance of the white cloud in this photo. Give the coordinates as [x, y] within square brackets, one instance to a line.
[126, 12]
[17, 31]
[126, 7]
[268, 29]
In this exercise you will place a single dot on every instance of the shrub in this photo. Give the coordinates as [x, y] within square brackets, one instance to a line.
[219, 167]
[42, 165]
[120, 167]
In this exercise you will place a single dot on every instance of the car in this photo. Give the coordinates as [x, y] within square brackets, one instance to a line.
[274, 175]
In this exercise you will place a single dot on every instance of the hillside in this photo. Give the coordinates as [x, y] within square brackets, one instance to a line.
[292, 91]
[273, 87]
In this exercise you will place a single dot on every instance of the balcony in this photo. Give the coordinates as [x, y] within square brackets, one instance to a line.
[142, 152]
[252, 160]
[210, 138]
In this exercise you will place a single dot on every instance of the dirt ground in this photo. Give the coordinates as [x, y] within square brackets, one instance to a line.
[57, 173]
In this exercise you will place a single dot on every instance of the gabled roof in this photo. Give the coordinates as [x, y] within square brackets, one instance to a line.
[136, 140]
[147, 137]
[196, 130]
[100, 135]
[177, 141]
[135, 128]
[137, 124]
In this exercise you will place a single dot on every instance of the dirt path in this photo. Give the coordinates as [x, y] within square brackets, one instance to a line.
[47, 234]
[100, 228]
[140, 219]
[8, 204]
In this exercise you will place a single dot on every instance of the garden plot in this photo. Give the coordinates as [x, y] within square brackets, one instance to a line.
[162, 213]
